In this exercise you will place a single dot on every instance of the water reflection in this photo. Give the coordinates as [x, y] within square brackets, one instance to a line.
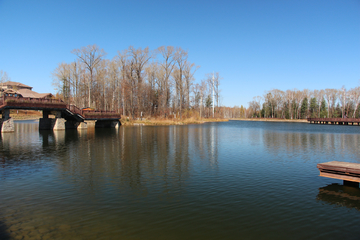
[211, 181]
[4, 235]
[134, 157]
[293, 144]
[340, 195]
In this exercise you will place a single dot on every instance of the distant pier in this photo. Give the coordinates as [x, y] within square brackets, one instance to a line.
[333, 121]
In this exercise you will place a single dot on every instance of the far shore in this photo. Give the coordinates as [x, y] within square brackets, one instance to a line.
[125, 121]
[270, 120]
[155, 121]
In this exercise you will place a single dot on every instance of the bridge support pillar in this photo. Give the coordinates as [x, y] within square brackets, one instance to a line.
[107, 124]
[75, 125]
[90, 123]
[56, 123]
[46, 114]
[52, 124]
[82, 125]
[59, 124]
[6, 122]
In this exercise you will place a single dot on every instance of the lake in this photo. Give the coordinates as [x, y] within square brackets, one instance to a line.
[228, 180]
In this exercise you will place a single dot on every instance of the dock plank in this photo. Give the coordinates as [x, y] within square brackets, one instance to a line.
[340, 170]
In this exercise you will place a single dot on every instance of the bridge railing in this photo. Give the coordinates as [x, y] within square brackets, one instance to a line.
[101, 114]
[5, 99]
[75, 109]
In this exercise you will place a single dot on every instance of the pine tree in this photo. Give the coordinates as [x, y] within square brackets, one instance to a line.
[323, 109]
[313, 108]
[304, 108]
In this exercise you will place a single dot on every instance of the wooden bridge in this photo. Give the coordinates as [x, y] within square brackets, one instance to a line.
[66, 116]
[339, 121]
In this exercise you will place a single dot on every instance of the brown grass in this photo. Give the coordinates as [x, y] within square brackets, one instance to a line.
[126, 121]
[25, 114]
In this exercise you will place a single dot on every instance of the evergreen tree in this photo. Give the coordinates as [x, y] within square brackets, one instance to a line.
[313, 107]
[338, 111]
[208, 102]
[263, 111]
[304, 108]
[286, 110]
[323, 109]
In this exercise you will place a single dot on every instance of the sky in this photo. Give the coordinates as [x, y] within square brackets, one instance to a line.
[256, 45]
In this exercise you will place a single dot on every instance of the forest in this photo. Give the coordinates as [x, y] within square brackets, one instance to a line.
[297, 104]
[138, 82]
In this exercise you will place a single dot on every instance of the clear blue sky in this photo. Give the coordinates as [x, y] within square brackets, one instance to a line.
[255, 45]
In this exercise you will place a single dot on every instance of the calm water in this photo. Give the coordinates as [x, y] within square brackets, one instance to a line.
[234, 180]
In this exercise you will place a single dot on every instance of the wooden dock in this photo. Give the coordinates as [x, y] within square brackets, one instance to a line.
[349, 172]
[338, 121]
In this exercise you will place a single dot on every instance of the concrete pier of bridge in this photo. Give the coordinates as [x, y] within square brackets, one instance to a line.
[6, 122]
[57, 123]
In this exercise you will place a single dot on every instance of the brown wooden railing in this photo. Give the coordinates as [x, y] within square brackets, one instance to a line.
[100, 114]
[32, 100]
[74, 109]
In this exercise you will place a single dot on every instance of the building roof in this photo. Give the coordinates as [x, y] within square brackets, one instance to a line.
[10, 91]
[26, 93]
[16, 84]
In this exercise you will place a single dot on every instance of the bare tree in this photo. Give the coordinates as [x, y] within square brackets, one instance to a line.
[290, 97]
[355, 98]
[343, 96]
[140, 57]
[169, 54]
[91, 56]
[330, 96]
[122, 60]
[189, 71]
[4, 76]
[62, 80]
[178, 76]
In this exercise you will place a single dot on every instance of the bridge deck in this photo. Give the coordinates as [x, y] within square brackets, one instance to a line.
[340, 170]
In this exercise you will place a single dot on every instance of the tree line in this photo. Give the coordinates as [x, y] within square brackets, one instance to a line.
[137, 82]
[300, 104]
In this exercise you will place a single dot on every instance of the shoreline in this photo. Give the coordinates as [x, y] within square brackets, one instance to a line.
[168, 122]
[145, 122]
[270, 120]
